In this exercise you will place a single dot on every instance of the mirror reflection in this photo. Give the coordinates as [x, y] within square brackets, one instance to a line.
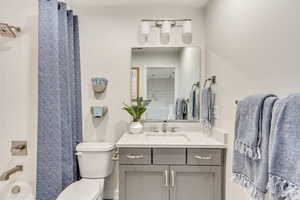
[170, 78]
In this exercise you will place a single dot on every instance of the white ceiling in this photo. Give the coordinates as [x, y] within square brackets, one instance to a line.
[190, 3]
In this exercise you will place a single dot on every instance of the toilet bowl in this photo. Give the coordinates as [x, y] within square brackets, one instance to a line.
[95, 164]
[89, 189]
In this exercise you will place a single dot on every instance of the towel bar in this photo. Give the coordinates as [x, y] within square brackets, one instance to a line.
[212, 79]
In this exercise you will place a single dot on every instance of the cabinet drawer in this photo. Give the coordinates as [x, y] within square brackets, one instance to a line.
[204, 157]
[169, 156]
[137, 156]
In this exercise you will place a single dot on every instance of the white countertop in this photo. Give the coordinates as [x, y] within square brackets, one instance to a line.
[185, 139]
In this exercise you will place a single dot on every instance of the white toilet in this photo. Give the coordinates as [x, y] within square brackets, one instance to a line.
[95, 163]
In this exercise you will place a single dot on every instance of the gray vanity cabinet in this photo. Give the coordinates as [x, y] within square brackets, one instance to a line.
[144, 182]
[195, 183]
[158, 174]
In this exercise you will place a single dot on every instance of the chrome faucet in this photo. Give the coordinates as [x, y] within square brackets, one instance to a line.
[164, 127]
[5, 176]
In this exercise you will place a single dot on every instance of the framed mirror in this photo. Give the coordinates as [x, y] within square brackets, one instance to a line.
[170, 78]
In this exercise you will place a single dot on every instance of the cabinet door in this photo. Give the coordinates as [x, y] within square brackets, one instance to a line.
[144, 182]
[195, 183]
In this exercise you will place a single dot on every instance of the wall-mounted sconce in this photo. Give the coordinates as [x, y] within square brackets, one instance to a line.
[165, 26]
[99, 84]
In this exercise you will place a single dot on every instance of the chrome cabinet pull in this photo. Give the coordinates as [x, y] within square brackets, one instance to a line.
[203, 157]
[172, 178]
[166, 178]
[135, 156]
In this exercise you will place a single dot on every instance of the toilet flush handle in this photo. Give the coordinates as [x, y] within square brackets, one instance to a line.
[116, 156]
[78, 154]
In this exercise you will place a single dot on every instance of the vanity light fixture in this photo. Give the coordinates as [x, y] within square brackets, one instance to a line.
[165, 26]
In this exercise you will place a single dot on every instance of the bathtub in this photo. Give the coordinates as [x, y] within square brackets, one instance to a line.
[16, 190]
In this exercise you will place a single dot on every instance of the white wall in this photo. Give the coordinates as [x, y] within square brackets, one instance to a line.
[107, 35]
[253, 47]
[18, 86]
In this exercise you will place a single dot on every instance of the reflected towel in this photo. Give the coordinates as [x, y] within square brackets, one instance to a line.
[181, 109]
[194, 104]
[207, 108]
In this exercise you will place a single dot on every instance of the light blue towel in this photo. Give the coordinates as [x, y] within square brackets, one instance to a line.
[248, 125]
[253, 174]
[194, 103]
[207, 108]
[284, 161]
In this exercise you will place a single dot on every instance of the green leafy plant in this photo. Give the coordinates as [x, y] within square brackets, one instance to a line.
[137, 109]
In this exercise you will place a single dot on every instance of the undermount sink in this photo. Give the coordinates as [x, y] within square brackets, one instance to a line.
[167, 137]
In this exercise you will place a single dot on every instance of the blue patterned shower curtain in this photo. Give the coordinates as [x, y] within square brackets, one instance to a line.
[59, 104]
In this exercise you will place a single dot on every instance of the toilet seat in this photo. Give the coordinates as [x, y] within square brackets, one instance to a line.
[84, 189]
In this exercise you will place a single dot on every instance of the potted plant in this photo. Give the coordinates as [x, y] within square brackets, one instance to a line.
[136, 110]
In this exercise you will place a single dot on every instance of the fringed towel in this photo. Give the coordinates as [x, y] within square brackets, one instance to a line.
[207, 108]
[253, 174]
[248, 125]
[284, 159]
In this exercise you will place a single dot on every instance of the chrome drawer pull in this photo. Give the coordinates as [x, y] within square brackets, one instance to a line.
[135, 156]
[205, 157]
[172, 178]
[166, 178]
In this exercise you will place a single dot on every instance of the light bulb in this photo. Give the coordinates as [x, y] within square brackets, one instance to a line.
[165, 32]
[144, 31]
[187, 35]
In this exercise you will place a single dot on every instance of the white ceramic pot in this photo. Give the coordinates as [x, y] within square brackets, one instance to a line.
[135, 127]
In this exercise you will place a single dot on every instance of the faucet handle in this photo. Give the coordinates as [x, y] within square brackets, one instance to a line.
[175, 129]
[154, 129]
[18, 148]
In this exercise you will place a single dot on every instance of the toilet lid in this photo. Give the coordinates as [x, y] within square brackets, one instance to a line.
[84, 189]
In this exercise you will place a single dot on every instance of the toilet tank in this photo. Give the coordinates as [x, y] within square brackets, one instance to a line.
[95, 159]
